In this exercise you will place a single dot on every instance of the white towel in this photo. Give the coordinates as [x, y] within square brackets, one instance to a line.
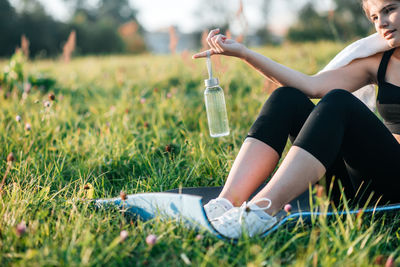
[364, 47]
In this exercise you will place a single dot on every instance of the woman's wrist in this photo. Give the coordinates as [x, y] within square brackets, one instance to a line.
[244, 53]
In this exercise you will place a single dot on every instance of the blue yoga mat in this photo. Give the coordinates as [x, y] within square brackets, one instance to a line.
[186, 206]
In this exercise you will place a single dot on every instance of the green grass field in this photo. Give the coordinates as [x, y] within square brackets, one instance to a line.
[138, 124]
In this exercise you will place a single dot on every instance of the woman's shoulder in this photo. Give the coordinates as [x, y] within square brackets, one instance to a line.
[376, 58]
[370, 65]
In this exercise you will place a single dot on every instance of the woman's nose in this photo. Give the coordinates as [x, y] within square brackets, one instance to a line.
[382, 22]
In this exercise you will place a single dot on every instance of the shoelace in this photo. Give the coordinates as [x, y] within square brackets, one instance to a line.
[214, 204]
[246, 208]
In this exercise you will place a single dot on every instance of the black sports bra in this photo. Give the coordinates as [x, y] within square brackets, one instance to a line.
[388, 100]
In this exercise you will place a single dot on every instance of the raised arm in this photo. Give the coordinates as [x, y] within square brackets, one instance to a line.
[351, 77]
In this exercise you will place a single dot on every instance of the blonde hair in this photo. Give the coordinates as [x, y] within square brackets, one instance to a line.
[364, 7]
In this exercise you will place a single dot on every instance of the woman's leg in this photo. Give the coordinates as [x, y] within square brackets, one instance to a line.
[283, 115]
[298, 170]
[340, 123]
[254, 163]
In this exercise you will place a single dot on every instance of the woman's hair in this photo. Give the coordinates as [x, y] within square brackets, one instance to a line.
[364, 6]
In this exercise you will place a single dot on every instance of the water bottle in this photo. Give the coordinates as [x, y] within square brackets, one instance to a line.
[215, 105]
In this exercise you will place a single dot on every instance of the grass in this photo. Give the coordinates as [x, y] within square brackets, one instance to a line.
[138, 124]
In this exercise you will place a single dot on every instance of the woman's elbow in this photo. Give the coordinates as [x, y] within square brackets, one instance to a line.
[314, 93]
[317, 94]
[311, 88]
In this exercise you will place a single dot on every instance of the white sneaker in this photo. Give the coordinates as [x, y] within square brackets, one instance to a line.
[245, 219]
[217, 207]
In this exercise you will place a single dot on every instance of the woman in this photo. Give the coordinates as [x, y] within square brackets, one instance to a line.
[339, 136]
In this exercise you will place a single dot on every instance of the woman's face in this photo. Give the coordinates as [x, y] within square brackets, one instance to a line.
[385, 14]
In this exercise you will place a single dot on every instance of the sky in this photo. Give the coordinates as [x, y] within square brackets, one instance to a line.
[181, 13]
[160, 14]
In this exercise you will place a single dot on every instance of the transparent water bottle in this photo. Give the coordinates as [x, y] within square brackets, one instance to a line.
[215, 104]
[216, 108]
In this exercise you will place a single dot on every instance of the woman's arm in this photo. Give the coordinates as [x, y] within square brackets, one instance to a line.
[351, 77]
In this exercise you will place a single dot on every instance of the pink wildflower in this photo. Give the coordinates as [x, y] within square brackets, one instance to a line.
[288, 208]
[151, 240]
[390, 262]
[123, 235]
[20, 229]
[28, 127]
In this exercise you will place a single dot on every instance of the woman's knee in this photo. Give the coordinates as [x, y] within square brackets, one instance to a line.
[283, 114]
[338, 101]
[339, 97]
[288, 94]
[286, 100]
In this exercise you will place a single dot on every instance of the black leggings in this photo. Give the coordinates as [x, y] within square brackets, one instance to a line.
[342, 133]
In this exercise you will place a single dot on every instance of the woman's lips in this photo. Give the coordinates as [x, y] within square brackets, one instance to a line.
[388, 34]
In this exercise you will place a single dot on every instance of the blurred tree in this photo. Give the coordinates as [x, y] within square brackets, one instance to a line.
[8, 38]
[97, 26]
[345, 22]
[97, 37]
[119, 10]
[42, 31]
[213, 14]
[311, 26]
[350, 19]
[31, 6]
[223, 15]
[263, 32]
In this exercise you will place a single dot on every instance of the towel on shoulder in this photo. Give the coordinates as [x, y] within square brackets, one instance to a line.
[364, 47]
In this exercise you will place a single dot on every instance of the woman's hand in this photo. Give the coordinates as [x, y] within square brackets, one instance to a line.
[220, 45]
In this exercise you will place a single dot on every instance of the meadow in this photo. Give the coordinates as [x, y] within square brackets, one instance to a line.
[138, 124]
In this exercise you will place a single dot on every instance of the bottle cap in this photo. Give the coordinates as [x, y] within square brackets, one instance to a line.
[211, 82]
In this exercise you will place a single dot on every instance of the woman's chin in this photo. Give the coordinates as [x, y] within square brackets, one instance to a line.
[393, 42]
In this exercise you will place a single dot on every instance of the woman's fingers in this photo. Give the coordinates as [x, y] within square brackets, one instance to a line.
[202, 54]
[214, 45]
[210, 37]
[219, 43]
[212, 33]
[215, 41]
